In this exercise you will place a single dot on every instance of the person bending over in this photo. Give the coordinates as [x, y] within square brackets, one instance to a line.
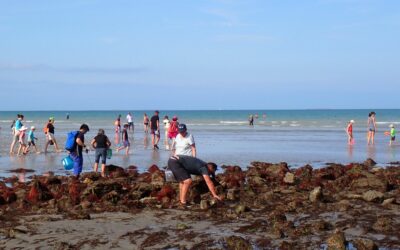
[183, 166]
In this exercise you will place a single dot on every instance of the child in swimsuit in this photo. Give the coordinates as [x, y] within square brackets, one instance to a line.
[349, 131]
[392, 134]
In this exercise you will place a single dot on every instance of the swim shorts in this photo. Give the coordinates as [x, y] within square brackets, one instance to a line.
[178, 170]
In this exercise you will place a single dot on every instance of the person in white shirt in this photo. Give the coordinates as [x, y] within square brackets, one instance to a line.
[129, 119]
[184, 143]
[167, 124]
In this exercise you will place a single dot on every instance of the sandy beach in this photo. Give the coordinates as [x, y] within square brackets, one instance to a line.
[268, 206]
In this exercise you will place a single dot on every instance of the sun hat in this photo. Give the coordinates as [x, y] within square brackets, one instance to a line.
[23, 128]
[182, 127]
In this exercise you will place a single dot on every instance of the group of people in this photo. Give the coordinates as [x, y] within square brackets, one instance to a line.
[183, 163]
[371, 131]
[26, 141]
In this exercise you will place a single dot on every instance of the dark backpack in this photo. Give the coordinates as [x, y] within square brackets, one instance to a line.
[70, 143]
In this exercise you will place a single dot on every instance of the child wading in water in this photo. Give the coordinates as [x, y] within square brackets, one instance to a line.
[392, 135]
[31, 140]
[22, 144]
[349, 131]
[125, 140]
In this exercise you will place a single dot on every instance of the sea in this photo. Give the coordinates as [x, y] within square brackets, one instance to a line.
[298, 137]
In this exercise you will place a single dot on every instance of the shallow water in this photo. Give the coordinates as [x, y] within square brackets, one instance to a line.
[298, 137]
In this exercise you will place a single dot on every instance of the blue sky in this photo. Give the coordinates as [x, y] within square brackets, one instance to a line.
[204, 54]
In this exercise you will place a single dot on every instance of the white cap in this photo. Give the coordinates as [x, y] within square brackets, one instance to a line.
[352, 121]
[391, 125]
[33, 127]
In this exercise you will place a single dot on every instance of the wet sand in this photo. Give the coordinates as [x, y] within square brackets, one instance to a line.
[268, 206]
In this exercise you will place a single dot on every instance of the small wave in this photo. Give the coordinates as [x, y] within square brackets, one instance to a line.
[233, 122]
[294, 125]
[385, 122]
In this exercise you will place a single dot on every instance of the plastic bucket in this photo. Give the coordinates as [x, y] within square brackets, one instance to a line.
[109, 153]
[68, 163]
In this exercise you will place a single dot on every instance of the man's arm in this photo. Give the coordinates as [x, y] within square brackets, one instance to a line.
[211, 187]
[194, 152]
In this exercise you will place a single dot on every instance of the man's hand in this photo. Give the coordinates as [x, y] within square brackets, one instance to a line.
[217, 197]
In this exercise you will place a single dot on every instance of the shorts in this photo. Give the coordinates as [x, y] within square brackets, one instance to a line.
[78, 162]
[31, 143]
[393, 138]
[50, 137]
[126, 144]
[130, 124]
[155, 132]
[101, 152]
[180, 173]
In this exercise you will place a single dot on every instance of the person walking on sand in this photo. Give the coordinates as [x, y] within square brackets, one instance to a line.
[371, 128]
[155, 129]
[129, 119]
[31, 140]
[15, 131]
[145, 123]
[184, 143]
[76, 152]
[183, 167]
[101, 143]
[349, 131]
[125, 140]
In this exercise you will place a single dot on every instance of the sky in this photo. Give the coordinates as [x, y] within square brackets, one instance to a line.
[199, 54]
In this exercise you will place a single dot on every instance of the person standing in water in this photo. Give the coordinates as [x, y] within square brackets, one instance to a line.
[349, 131]
[79, 145]
[125, 140]
[145, 123]
[15, 131]
[167, 125]
[251, 120]
[31, 140]
[371, 128]
[101, 143]
[392, 135]
[155, 129]
[67, 116]
[184, 143]
[51, 140]
[129, 120]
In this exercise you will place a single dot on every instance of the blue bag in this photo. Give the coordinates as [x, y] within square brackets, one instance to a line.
[70, 143]
[68, 163]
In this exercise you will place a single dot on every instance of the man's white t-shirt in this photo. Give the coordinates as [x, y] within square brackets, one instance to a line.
[129, 118]
[183, 144]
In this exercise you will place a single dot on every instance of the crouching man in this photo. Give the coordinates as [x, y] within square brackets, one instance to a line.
[183, 166]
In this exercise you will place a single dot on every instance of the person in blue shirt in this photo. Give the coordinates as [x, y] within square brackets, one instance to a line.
[18, 125]
[31, 140]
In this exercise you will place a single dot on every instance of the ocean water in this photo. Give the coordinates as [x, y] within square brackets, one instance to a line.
[222, 136]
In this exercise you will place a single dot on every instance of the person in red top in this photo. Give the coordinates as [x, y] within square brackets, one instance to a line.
[349, 131]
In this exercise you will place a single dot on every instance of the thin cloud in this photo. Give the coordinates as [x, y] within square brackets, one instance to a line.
[83, 70]
[252, 38]
[227, 18]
